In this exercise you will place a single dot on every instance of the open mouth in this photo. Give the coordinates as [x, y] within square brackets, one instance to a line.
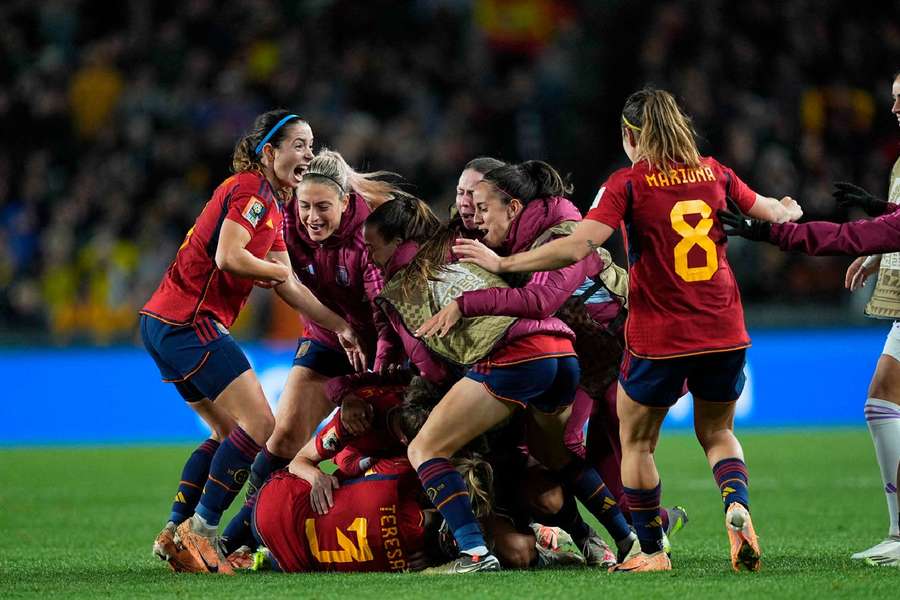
[314, 229]
[299, 170]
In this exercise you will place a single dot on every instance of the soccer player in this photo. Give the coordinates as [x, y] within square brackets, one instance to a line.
[473, 172]
[515, 364]
[882, 234]
[236, 240]
[323, 234]
[685, 321]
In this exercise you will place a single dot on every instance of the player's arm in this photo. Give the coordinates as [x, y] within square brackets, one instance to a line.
[233, 257]
[562, 252]
[306, 466]
[302, 300]
[775, 211]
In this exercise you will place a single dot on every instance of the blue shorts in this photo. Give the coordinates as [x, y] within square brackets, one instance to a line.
[200, 359]
[659, 382]
[547, 384]
[322, 359]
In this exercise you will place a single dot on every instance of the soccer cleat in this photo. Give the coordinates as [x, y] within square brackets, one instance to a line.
[628, 549]
[597, 552]
[678, 518]
[178, 558]
[470, 563]
[555, 548]
[203, 545]
[887, 558]
[882, 547]
[644, 563]
[241, 559]
[744, 543]
[262, 560]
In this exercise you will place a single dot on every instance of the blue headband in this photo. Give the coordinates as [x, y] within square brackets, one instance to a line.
[272, 131]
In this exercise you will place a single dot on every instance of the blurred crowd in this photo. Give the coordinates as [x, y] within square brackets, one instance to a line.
[119, 119]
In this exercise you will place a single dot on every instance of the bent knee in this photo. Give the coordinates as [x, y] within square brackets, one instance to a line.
[517, 551]
[548, 502]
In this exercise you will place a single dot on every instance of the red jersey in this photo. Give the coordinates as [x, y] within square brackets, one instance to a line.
[683, 298]
[375, 524]
[377, 441]
[193, 285]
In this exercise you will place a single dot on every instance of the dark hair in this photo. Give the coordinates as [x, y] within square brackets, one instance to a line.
[419, 398]
[245, 157]
[665, 133]
[528, 181]
[483, 164]
[410, 219]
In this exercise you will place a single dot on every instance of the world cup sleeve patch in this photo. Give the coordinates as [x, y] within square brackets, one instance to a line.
[254, 211]
[330, 440]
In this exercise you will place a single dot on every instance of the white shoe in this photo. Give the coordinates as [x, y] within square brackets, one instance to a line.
[880, 549]
[887, 558]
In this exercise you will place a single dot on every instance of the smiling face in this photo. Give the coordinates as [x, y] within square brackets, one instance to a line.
[380, 249]
[465, 201]
[320, 208]
[492, 215]
[291, 157]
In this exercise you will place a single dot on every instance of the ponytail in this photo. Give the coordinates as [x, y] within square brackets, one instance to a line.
[268, 128]
[528, 181]
[329, 167]
[479, 479]
[665, 134]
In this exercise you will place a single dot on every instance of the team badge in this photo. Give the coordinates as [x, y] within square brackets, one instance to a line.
[254, 210]
[303, 349]
[330, 439]
[310, 269]
[343, 276]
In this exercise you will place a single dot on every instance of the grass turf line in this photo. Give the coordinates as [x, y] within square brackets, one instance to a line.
[79, 522]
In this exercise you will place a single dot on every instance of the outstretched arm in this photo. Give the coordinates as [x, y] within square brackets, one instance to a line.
[587, 237]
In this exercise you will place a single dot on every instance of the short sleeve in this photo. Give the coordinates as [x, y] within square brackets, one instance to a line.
[610, 203]
[248, 211]
[739, 191]
[278, 245]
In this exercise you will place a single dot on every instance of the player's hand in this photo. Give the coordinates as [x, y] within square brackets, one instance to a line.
[848, 195]
[356, 414]
[793, 209]
[280, 273]
[473, 251]
[350, 343]
[441, 323]
[859, 271]
[321, 492]
[734, 222]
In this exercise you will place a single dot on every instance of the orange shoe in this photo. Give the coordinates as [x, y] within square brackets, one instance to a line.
[744, 543]
[241, 559]
[644, 563]
[176, 556]
[202, 545]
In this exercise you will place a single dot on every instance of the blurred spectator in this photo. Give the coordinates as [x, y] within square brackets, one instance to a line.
[117, 123]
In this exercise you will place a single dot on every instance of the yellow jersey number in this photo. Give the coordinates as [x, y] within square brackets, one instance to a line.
[349, 552]
[694, 236]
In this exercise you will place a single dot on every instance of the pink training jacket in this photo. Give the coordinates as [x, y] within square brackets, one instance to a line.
[343, 277]
[546, 291]
[856, 238]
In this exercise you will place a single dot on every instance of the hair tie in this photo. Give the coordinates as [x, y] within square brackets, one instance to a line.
[629, 124]
[272, 131]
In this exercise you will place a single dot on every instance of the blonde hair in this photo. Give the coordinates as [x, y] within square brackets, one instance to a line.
[665, 133]
[478, 476]
[329, 167]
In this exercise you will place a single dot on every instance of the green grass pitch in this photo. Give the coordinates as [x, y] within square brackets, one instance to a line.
[79, 522]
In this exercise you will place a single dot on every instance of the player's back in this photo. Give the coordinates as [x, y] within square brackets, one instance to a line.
[683, 297]
[374, 525]
[193, 284]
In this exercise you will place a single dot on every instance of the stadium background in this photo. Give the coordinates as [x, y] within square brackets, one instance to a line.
[117, 120]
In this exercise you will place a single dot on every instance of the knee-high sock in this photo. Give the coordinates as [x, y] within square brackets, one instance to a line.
[193, 476]
[447, 491]
[732, 478]
[883, 418]
[645, 516]
[238, 532]
[586, 484]
[229, 470]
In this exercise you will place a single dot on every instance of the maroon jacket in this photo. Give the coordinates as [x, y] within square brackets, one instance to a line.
[546, 291]
[856, 238]
[343, 277]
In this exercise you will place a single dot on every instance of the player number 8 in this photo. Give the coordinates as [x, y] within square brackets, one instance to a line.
[697, 235]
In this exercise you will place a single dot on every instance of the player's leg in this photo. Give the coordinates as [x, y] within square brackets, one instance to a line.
[467, 411]
[717, 380]
[882, 412]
